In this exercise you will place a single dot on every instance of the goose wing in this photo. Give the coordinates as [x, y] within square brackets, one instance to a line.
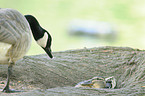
[12, 26]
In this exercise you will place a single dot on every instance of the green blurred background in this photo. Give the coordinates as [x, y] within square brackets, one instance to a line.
[128, 17]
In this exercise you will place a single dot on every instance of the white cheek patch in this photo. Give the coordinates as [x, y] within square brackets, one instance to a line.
[43, 41]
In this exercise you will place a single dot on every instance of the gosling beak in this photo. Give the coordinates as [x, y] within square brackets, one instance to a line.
[48, 51]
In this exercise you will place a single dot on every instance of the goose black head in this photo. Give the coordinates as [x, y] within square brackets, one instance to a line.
[42, 37]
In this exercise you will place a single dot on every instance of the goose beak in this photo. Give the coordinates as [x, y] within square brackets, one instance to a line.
[48, 51]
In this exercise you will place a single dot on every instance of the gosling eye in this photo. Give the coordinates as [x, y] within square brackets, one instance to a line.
[98, 79]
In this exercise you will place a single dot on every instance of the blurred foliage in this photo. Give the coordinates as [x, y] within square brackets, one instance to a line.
[127, 16]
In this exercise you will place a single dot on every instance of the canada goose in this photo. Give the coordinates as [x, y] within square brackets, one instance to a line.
[15, 38]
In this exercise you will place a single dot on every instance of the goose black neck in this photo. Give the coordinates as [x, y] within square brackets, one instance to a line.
[36, 29]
